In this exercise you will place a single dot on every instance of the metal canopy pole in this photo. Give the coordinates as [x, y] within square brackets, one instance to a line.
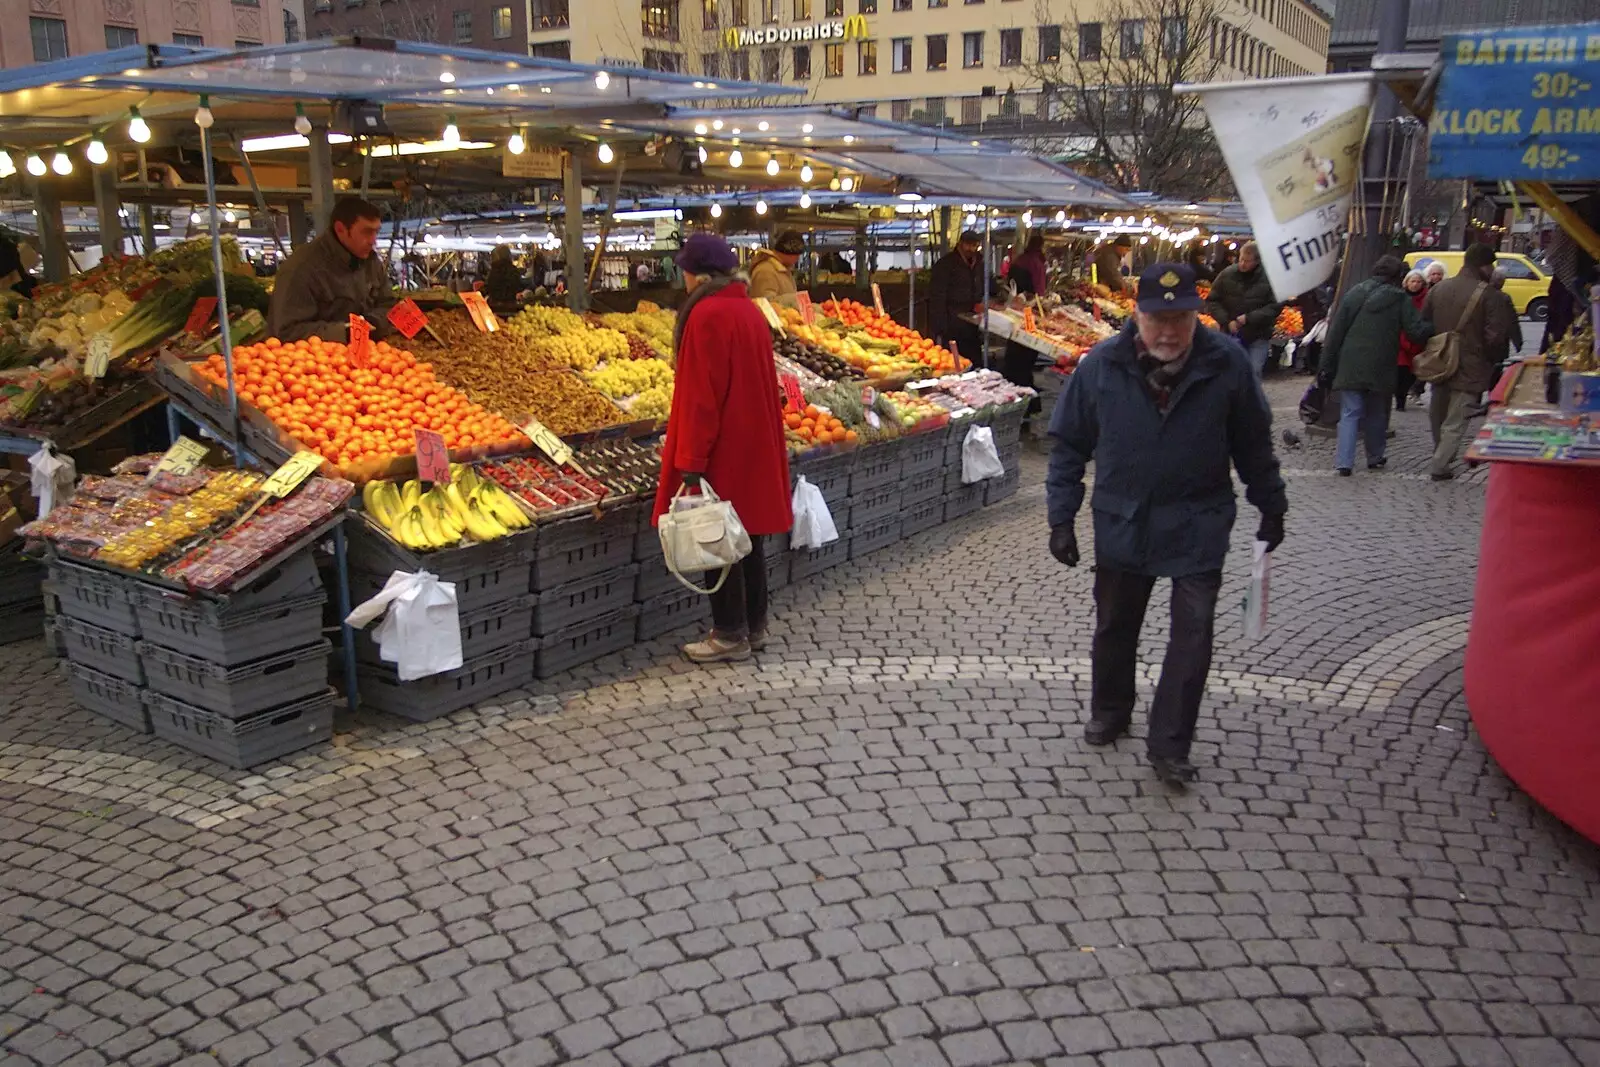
[321, 178]
[572, 195]
[222, 291]
[107, 207]
[983, 325]
[911, 276]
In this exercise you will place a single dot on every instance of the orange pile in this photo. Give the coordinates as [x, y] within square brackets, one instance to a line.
[913, 345]
[818, 427]
[312, 392]
[1290, 322]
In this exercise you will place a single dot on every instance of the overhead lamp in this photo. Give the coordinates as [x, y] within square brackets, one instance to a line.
[834, 184]
[736, 159]
[700, 129]
[716, 211]
[763, 125]
[605, 153]
[1148, 220]
[601, 80]
[772, 167]
[451, 136]
[1061, 218]
[805, 201]
[302, 125]
[849, 138]
[516, 145]
[1027, 218]
[36, 166]
[761, 207]
[447, 78]
[847, 184]
[229, 216]
[138, 129]
[96, 152]
[61, 164]
[7, 166]
[716, 124]
[1117, 221]
[807, 128]
[194, 218]
[971, 220]
[202, 114]
[806, 173]
[703, 155]
[1144, 240]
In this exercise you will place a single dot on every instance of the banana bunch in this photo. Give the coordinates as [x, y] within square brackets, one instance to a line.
[469, 507]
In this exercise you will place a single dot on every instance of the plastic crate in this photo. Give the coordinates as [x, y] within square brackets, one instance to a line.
[923, 453]
[804, 562]
[484, 629]
[20, 580]
[923, 515]
[672, 611]
[235, 692]
[1006, 423]
[248, 741]
[473, 568]
[115, 698]
[106, 651]
[655, 580]
[27, 622]
[963, 501]
[646, 545]
[778, 570]
[577, 645]
[923, 486]
[831, 474]
[877, 466]
[584, 546]
[874, 505]
[425, 699]
[1011, 456]
[226, 635]
[95, 596]
[583, 601]
[867, 539]
[1002, 488]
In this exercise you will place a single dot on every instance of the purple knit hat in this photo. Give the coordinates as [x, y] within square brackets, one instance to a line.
[706, 253]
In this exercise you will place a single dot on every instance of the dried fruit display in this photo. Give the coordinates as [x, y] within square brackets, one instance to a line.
[567, 404]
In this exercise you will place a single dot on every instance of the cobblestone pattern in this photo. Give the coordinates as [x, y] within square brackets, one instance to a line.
[881, 843]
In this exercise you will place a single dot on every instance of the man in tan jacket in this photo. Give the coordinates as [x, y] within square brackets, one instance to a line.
[772, 269]
[1480, 338]
[335, 276]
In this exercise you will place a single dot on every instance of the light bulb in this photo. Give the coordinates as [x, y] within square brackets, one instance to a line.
[806, 173]
[194, 218]
[763, 126]
[700, 128]
[703, 155]
[1117, 221]
[736, 159]
[61, 164]
[202, 114]
[8, 167]
[302, 125]
[447, 78]
[138, 129]
[97, 152]
[805, 201]
[36, 166]
[834, 184]
[606, 154]
[807, 128]
[516, 146]
[601, 80]
[1027, 218]
[229, 216]
[971, 219]
[847, 184]
[716, 211]
[761, 207]
[716, 124]
[1144, 240]
[772, 167]
[1061, 217]
[452, 136]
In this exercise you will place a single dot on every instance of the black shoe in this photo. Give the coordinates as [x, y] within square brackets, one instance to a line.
[1104, 731]
[1445, 477]
[1174, 770]
[1391, 434]
[1378, 464]
[1345, 472]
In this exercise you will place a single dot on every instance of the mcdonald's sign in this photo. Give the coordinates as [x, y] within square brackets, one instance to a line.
[847, 29]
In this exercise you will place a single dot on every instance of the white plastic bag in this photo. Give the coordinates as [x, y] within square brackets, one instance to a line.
[53, 478]
[813, 522]
[1255, 597]
[979, 458]
[421, 629]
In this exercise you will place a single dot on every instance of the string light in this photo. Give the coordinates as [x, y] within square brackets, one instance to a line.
[806, 173]
[606, 154]
[703, 155]
[736, 159]
[847, 184]
[772, 167]
[716, 211]
[452, 136]
[194, 218]
[202, 114]
[138, 129]
[805, 201]
[36, 166]
[302, 125]
[761, 207]
[700, 129]
[834, 184]
[8, 167]
[516, 146]
[1061, 218]
[601, 80]
[229, 216]
[61, 164]
[96, 152]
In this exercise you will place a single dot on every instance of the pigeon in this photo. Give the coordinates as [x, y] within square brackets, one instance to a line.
[1291, 439]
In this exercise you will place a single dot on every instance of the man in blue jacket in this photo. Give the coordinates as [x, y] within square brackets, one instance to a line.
[1163, 409]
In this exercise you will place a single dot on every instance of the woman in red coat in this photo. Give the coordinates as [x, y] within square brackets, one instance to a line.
[1416, 287]
[726, 429]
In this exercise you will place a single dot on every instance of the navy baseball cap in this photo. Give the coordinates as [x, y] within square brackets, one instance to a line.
[1169, 287]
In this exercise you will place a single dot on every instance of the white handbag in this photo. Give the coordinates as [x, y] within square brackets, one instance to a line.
[701, 533]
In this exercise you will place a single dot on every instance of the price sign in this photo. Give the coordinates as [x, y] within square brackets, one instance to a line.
[770, 313]
[360, 347]
[794, 396]
[433, 459]
[877, 298]
[98, 360]
[1029, 323]
[873, 420]
[808, 310]
[1096, 309]
[200, 317]
[407, 318]
[478, 308]
[546, 441]
[287, 478]
[184, 457]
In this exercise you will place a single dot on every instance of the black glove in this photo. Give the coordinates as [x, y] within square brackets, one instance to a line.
[1271, 531]
[379, 324]
[1325, 379]
[1064, 544]
[692, 479]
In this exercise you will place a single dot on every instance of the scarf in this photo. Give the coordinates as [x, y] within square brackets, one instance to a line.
[1161, 378]
[713, 283]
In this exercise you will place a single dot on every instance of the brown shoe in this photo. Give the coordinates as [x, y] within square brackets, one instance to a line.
[758, 640]
[716, 649]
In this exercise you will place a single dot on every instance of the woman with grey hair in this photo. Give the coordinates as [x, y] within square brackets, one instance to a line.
[1434, 274]
[1416, 287]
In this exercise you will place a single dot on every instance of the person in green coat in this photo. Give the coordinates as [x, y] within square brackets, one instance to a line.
[1361, 359]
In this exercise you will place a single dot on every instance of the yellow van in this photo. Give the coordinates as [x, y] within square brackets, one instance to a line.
[1526, 285]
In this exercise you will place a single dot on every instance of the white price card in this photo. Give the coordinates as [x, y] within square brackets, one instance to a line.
[98, 360]
[287, 478]
[184, 457]
[546, 441]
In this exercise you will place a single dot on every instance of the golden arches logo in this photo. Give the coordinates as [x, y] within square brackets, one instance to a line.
[730, 37]
[855, 28]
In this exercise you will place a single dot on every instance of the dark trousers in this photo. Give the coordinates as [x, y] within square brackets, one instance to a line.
[1120, 601]
[969, 342]
[739, 608]
[1018, 370]
[1402, 387]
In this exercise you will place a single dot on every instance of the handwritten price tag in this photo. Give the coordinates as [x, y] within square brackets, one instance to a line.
[287, 478]
[794, 396]
[200, 317]
[184, 457]
[433, 458]
[478, 308]
[407, 318]
[359, 349]
[98, 360]
[546, 441]
[1029, 323]
[808, 310]
[877, 298]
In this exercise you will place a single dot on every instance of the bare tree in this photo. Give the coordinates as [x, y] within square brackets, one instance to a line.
[1111, 81]
[409, 20]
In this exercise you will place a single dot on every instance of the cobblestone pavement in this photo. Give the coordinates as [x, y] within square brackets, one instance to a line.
[880, 843]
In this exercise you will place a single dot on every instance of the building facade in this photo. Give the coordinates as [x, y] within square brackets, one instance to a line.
[56, 29]
[492, 25]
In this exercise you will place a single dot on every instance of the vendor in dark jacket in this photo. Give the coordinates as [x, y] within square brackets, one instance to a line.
[955, 288]
[334, 277]
[1242, 303]
[1163, 408]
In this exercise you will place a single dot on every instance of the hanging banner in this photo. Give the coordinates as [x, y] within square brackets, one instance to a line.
[1293, 146]
[535, 161]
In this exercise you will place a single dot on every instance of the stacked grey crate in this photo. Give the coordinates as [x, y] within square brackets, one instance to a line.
[98, 629]
[873, 517]
[21, 595]
[832, 475]
[586, 584]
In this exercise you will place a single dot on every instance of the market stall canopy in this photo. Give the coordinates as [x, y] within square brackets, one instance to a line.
[993, 177]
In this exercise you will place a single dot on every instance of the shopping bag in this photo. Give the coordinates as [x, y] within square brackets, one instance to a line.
[421, 629]
[701, 533]
[979, 458]
[52, 477]
[1255, 596]
[813, 521]
[1312, 402]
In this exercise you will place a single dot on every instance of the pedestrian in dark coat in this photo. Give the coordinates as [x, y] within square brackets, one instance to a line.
[1510, 326]
[726, 430]
[1241, 301]
[955, 288]
[1108, 263]
[1480, 337]
[1028, 274]
[1361, 359]
[1164, 409]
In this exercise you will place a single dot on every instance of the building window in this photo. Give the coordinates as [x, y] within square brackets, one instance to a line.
[738, 12]
[462, 22]
[900, 54]
[550, 14]
[833, 60]
[1130, 37]
[867, 57]
[739, 66]
[972, 49]
[502, 23]
[938, 46]
[1010, 48]
[709, 14]
[867, 7]
[971, 110]
[1049, 44]
[1089, 41]
[769, 11]
[121, 37]
[49, 39]
[934, 111]
[833, 9]
[711, 64]
[189, 40]
[802, 10]
[291, 27]
[670, 62]
[1175, 36]
[802, 62]
[899, 110]
[552, 50]
[938, 3]
[771, 64]
[239, 42]
[903, 5]
[660, 18]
